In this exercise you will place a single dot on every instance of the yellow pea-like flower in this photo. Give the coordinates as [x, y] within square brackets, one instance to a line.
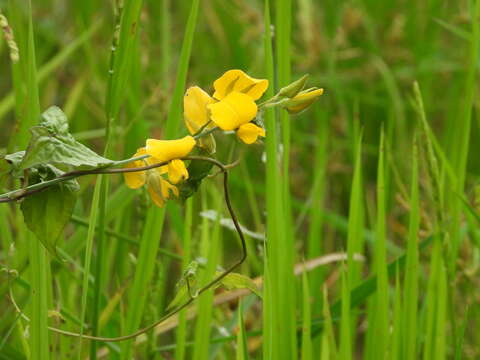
[196, 116]
[238, 81]
[161, 190]
[249, 133]
[136, 179]
[166, 150]
[177, 171]
[195, 110]
[232, 111]
[232, 106]
[160, 151]
[158, 188]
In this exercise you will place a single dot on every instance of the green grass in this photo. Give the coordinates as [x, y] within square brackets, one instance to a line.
[39, 262]
[382, 173]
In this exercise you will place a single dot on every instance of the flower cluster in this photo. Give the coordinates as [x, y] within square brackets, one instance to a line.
[232, 107]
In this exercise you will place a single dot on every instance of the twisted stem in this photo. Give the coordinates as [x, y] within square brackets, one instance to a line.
[67, 176]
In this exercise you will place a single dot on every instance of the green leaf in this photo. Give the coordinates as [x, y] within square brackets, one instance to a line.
[51, 143]
[15, 159]
[47, 212]
[11, 165]
[182, 295]
[242, 344]
[239, 281]
[197, 171]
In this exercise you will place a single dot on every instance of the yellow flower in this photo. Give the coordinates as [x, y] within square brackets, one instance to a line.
[177, 171]
[195, 110]
[232, 106]
[234, 110]
[160, 189]
[160, 151]
[166, 150]
[237, 80]
[303, 100]
[249, 133]
[196, 115]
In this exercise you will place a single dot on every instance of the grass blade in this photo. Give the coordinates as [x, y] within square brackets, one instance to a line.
[411, 268]
[307, 321]
[187, 254]
[92, 223]
[396, 336]
[39, 336]
[462, 140]
[329, 347]
[137, 295]
[380, 324]
[242, 345]
[284, 256]
[211, 251]
[176, 109]
[271, 320]
[345, 350]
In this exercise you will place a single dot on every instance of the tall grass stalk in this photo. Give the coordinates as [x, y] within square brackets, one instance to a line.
[395, 349]
[316, 238]
[345, 333]
[175, 109]
[355, 240]
[283, 257]
[462, 139]
[307, 350]
[271, 320]
[137, 295]
[39, 336]
[242, 345]
[381, 310]
[123, 44]
[210, 250]
[410, 304]
[328, 345]
[182, 332]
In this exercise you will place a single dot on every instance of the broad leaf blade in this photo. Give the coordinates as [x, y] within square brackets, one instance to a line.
[51, 143]
[47, 213]
[239, 281]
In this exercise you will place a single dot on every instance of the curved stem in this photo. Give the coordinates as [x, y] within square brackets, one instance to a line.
[209, 285]
[32, 189]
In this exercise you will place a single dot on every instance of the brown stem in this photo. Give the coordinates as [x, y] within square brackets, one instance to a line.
[223, 168]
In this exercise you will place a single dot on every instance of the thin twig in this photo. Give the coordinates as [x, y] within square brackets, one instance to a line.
[32, 189]
[200, 291]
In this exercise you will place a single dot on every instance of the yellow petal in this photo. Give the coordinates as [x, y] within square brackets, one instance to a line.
[160, 190]
[166, 150]
[237, 80]
[313, 94]
[168, 189]
[177, 171]
[156, 197]
[195, 111]
[249, 133]
[136, 179]
[234, 110]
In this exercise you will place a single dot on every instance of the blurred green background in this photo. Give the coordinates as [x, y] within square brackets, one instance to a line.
[366, 54]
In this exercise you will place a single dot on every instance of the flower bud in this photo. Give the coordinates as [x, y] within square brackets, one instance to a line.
[294, 88]
[303, 100]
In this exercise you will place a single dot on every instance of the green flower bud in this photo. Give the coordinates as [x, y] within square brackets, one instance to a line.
[294, 88]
